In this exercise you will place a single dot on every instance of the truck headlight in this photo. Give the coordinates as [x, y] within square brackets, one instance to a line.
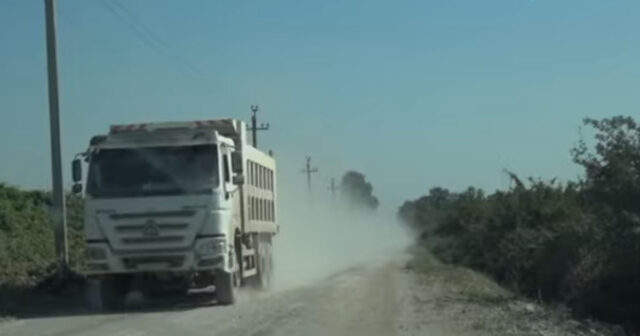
[211, 247]
[96, 253]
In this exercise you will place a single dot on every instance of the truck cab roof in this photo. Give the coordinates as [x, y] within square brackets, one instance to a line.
[222, 131]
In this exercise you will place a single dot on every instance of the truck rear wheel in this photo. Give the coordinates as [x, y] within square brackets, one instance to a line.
[265, 265]
[113, 290]
[224, 283]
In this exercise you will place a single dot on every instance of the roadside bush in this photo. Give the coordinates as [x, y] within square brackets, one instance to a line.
[577, 243]
[612, 193]
[27, 250]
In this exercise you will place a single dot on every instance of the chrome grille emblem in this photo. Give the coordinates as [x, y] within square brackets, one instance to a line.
[150, 229]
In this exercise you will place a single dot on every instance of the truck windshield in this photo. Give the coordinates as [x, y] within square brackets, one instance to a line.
[136, 172]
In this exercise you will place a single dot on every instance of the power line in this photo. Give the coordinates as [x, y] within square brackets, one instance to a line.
[155, 37]
[150, 38]
[141, 35]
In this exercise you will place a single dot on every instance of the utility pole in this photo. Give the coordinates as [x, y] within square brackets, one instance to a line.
[308, 170]
[333, 188]
[254, 125]
[59, 210]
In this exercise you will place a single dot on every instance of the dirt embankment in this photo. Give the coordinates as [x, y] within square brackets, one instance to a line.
[460, 301]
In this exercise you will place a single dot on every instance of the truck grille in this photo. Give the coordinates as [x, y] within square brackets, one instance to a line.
[170, 261]
[133, 228]
[157, 230]
[156, 214]
[152, 240]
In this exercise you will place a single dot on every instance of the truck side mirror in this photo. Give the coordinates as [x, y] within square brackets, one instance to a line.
[238, 179]
[77, 188]
[236, 163]
[76, 170]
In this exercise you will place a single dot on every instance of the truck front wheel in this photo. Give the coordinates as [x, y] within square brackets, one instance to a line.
[113, 290]
[225, 288]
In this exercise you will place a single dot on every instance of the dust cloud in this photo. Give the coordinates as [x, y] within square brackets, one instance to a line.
[319, 237]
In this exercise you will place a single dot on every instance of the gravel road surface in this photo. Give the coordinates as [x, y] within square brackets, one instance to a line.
[359, 301]
[386, 298]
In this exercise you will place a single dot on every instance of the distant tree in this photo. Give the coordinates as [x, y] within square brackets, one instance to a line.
[613, 169]
[357, 192]
[425, 213]
[612, 192]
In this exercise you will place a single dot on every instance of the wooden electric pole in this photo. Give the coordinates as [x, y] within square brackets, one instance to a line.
[333, 188]
[254, 125]
[59, 210]
[308, 170]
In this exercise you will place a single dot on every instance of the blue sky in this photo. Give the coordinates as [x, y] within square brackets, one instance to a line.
[412, 93]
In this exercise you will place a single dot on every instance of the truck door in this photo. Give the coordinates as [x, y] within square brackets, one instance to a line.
[226, 178]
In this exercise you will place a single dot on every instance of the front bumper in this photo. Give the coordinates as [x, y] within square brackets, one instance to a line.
[101, 259]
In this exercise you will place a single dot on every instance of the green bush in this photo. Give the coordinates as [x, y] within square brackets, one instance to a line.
[577, 243]
[27, 250]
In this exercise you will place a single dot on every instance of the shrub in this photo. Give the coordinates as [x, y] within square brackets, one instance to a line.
[577, 243]
[27, 249]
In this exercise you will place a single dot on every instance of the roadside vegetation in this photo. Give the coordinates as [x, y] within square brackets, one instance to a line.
[27, 250]
[576, 243]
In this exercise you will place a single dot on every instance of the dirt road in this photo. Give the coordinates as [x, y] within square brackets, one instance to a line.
[382, 299]
[359, 301]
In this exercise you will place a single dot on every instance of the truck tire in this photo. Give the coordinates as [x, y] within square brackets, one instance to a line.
[225, 288]
[113, 290]
[265, 265]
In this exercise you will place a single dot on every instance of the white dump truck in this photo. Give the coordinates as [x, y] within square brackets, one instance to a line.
[179, 205]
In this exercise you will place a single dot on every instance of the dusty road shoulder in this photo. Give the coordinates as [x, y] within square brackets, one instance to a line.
[441, 299]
